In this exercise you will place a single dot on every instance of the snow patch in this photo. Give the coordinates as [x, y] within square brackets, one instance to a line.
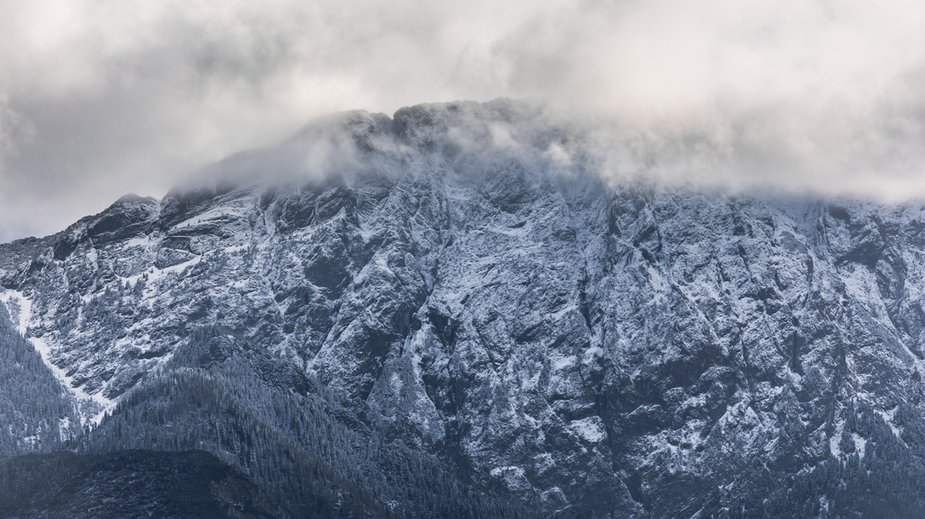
[217, 214]
[564, 311]
[155, 274]
[143, 241]
[888, 417]
[835, 440]
[561, 363]
[860, 444]
[512, 476]
[19, 309]
[589, 429]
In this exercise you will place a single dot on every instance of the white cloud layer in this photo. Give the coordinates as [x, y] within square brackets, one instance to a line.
[103, 97]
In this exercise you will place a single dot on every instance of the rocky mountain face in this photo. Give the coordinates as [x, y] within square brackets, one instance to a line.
[459, 281]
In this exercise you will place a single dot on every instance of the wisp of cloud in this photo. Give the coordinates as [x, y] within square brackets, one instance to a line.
[100, 98]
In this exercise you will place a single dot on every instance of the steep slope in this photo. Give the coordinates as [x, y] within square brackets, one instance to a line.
[462, 274]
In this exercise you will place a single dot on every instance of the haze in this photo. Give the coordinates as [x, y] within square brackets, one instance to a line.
[101, 98]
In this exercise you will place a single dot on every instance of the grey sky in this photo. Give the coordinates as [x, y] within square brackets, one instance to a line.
[100, 97]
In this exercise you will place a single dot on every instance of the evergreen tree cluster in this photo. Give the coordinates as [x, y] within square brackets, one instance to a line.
[36, 414]
[138, 483]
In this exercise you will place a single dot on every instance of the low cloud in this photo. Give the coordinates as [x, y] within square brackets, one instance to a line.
[99, 98]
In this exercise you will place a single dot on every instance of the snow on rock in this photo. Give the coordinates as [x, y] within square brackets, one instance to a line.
[91, 407]
[590, 429]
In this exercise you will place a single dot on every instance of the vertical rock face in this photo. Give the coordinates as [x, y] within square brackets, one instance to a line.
[594, 348]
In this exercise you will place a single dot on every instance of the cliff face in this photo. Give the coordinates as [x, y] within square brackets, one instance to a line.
[488, 299]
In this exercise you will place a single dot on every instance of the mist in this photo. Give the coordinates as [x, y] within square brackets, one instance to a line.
[102, 98]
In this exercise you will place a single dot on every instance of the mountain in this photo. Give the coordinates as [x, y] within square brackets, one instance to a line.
[457, 312]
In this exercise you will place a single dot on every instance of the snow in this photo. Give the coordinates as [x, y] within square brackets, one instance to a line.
[212, 215]
[396, 383]
[561, 363]
[156, 274]
[860, 444]
[564, 311]
[589, 429]
[512, 476]
[143, 241]
[835, 440]
[888, 417]
[20, 306]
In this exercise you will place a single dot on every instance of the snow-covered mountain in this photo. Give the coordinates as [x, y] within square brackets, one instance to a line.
[461, 280]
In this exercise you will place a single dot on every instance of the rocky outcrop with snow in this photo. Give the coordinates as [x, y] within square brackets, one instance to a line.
[464, 274]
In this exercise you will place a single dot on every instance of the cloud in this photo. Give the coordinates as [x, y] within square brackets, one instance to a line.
[14, 130]
[130, 96]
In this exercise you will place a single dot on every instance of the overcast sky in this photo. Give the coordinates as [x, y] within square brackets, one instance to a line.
[100, 97]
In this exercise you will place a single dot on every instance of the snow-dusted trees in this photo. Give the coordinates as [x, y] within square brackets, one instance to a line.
[308, 454]
[35, 412]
